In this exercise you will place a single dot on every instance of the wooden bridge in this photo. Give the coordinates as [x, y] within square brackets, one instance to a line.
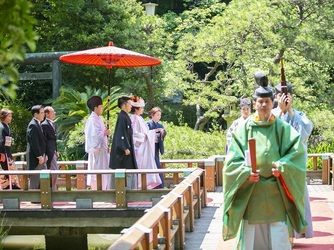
[153, 219]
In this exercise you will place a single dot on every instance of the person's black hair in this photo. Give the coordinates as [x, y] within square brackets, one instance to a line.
[35, 109]
[122, 100]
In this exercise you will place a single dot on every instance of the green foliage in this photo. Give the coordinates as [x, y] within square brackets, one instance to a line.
[71, 106]
[183, 142]
[16, 34]
[218, 53]
[3, 231]
[323, 133]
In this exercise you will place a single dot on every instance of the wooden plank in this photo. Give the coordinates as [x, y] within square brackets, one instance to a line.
[180, 237]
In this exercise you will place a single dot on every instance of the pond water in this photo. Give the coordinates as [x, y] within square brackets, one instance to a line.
[37, 242]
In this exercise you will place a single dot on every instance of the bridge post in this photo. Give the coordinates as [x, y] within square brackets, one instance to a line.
[209, 166]
[325, 169]
[81, 178]
[120, 188]
[46, 201]
[219, 165]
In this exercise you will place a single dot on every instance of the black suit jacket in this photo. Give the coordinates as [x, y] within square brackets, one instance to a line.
[122, 140]
[36, 143]
[50, 134]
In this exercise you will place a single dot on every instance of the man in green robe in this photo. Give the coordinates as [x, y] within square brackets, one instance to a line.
[258, 206]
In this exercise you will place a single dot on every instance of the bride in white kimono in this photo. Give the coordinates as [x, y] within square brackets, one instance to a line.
[144, 143]
[96, 143]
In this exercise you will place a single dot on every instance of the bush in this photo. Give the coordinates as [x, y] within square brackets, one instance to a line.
[183, 142]
[323, 133]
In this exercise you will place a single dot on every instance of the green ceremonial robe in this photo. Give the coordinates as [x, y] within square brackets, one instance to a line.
[265, 201]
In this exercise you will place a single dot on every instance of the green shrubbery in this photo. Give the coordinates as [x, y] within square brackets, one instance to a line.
[322, 138]
[182, 142]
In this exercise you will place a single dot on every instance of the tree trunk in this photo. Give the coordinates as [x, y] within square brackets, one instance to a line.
[150, 89]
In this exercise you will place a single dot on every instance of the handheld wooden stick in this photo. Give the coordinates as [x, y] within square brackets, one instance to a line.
[252, 152]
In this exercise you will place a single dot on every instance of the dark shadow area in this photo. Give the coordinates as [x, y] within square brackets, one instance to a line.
[317, 199]
[321, 234]
[321, 218]
[313, 246]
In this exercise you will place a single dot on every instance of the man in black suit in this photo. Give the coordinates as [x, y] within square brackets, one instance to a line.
[122, 150]
[50, 133]
[36, 145]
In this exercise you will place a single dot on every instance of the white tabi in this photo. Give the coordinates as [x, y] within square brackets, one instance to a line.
[144, 144]
[96, 145]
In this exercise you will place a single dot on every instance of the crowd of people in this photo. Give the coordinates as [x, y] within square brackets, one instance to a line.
[267, 207]
[136, 144]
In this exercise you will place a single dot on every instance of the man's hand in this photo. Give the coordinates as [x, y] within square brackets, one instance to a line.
[107, 132]
[275, 170]
[41, 160]
[254, 177]
[127, 152]
[285, 103]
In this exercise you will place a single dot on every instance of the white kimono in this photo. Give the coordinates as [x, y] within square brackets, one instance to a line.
[144, 144]
[96, 145]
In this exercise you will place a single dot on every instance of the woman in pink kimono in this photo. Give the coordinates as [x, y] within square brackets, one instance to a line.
[144, 143]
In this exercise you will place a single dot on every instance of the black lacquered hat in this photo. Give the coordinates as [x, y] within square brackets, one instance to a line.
[263, 90]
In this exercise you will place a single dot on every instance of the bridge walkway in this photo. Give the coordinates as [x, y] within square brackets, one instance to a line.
[208, 229]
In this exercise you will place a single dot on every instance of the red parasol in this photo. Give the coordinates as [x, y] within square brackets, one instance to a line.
[108, 57]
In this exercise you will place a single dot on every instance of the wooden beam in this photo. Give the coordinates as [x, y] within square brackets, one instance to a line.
[35, 76]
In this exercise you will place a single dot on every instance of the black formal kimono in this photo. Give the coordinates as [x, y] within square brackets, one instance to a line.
[5, 150]
[121, 141]
[36, 143]
[159, 145]
[50, 134]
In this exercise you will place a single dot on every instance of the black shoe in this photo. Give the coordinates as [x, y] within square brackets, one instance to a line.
[14, 186]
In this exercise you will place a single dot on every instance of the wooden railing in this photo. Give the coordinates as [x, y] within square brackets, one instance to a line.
[164, 225]
[326, 165]
[213, 167]
[120, 195]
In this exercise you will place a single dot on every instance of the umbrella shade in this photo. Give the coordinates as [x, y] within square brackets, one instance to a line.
[110, 56]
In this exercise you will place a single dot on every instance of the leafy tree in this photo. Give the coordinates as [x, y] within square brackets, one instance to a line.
[215, 61]
[16, 35]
